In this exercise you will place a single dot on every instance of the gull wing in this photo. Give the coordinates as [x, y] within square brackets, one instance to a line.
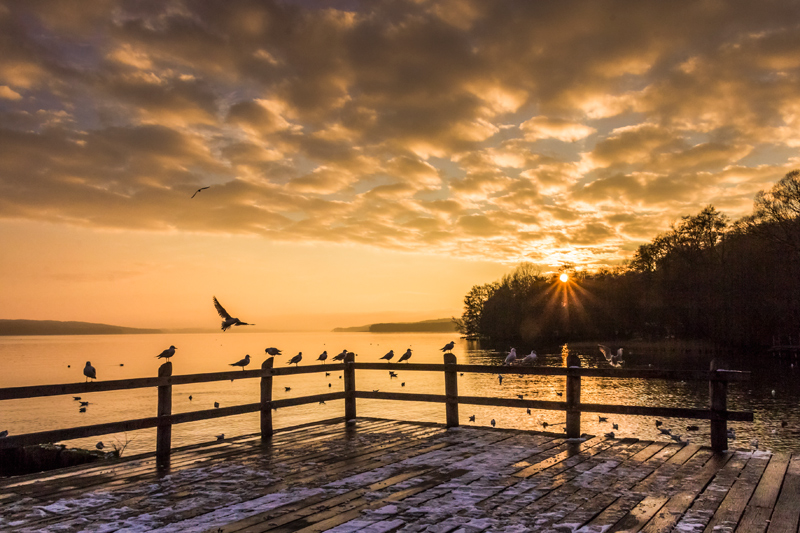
[605, 351]
[221, 310]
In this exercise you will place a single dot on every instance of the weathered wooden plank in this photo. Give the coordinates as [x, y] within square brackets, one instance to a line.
[573, 449]
[759, 508]
[786, 515]
[730, 510]
[638, 516]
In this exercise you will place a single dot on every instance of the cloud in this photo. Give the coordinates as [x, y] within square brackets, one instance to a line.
[501, 129]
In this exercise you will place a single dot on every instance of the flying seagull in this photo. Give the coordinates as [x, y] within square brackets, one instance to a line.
[198, 190]
[229, 320]
[89, 371]
[273, 351]
[406, 356]
[296, 359]
[614, 359]
[166, 354]
[511, 357]
[449, 346]
[323, 356]
[388, 356]
[242, 362]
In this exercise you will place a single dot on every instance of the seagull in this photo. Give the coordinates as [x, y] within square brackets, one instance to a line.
[327, 374]
[89, 371]
[76, 398]
[166, 354]
[100, 445]
[602, 419]
[511, 357]
[392, 374]
[529, 410]
[296, 359]
[84, 404]
[610, 434]
[692, 428]
[676, 438]
[340, 356]
[520, 396]
[323, 356]
[322, 402]
[500, 379]
[493, 422]
[545, 424]
[614, 359]
[449, 346]
[559, 394]
[403, 384]
[329, 385]
[82, 410]
[242, 362]
[216, 405]
[288, 389]
[615, 426]
[273, 351]
[664, 431]
[388, 356]
[405, 357]
[221, 436]
[472, 418]
[229, 320]
[658, 423]
[190, 397]
[530, 358]
[198, 190]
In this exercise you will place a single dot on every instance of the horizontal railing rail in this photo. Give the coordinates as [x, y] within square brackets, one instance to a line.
[718, 413]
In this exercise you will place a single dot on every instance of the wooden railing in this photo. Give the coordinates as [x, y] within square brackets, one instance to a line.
[717, 412]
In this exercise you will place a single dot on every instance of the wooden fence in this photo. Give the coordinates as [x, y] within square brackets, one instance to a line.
[717, 412]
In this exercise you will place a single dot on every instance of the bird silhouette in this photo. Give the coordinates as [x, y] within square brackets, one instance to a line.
[287, 389]
[216, 405]
[327, 374]
[500, 379]
[531, 357]
[388, 356]
[692, 428]
[273, 351]
[529, 410]
[610, 434]
[100, 445]
[242, 362]
[511, 357]
[658, 423]
[602, 419]
[3, 433]
[198, 190]
[520, 396]
[76, 398]
[665, 431]
[82, 410]
[545, 424]
[493, 422]
[392, 374]
[405, 357]
[403, 384]
[559, 394]
[472, 418]
[166, 354]
[323, 356]
[84, 403]
[228, 319]
[329, 385]
[221, 436]
[615, 426]
[449, 346]
[340, 356]
[190, 397]
[614, 359]
[89, 371]
[296, 359]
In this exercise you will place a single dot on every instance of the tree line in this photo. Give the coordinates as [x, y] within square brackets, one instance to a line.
[736, 283]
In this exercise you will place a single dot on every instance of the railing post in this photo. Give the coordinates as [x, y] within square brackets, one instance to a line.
[164, 429]
[451, 389]
[718, 392]
[266, 399]
[573, 397]
[349, 388]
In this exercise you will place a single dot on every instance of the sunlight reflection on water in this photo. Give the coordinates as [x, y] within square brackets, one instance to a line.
[42, 360]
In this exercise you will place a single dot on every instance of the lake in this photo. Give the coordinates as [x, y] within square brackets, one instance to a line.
[38, 360]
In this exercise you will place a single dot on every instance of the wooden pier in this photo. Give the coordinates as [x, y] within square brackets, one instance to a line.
[379, 475]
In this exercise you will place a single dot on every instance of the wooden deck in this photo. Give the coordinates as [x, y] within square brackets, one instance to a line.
[385, 475]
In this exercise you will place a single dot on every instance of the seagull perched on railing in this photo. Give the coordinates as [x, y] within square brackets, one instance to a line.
[242, 362]
[530, 358]
[340, 356]
[229, 320]
[388, 356]
[323, 356]
[405, 357]
[449, 346]
[89, 371]
[614, 360]
[511, 357]
[296, 359]
[166, 354]
[272, 351]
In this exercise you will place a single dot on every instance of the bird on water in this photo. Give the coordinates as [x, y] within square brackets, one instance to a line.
[242, 362]
[405, 357]
[89, 371]
[296, 359]
[449, 346]
[166, 354]
[229, 320]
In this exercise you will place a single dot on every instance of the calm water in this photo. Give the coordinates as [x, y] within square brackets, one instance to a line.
[60, 359]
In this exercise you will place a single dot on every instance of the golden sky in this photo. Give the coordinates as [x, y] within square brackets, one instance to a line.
[367, 160]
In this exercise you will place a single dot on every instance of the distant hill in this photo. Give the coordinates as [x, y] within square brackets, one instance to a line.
[440, 325]
[55, 327]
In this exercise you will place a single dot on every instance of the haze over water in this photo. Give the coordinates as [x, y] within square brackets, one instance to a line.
[45, 359]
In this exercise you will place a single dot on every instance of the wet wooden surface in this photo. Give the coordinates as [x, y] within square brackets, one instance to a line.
[381, 476]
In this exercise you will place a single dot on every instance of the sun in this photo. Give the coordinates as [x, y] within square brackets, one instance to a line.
[563, 277]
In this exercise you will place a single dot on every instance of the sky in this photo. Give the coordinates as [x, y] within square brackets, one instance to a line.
[367, 161]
